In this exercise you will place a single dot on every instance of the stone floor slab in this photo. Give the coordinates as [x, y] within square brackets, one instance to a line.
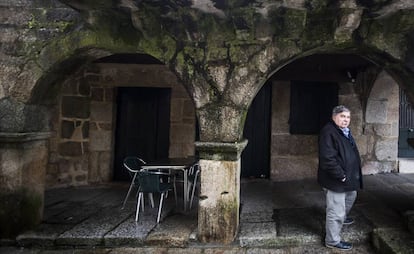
[130, 232]
[92, 230]
[257, 233]
[298, 220]
[299, 226]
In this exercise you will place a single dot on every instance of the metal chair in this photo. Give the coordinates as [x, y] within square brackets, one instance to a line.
[133, 164]
[150, 182]
[193, 175]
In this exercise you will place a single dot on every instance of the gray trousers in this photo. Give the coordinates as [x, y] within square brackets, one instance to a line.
[338, 206]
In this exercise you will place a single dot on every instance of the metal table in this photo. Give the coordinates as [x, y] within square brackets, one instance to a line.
[175, 164]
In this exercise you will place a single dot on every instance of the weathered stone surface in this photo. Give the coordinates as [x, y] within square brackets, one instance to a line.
[99, 168]
[101, 111]
[386, 149]
[12, 116]
[391, 240]
[374, 167]
[294, 145]
[97, 94]
[71, 149]
[67, 128]
[288, 168]
[96, 227]
[409, 216]
[100, 140]
[23, 161]
[218, 215]
[74, 106]
[257, 234]
[84, 88]
[174, 231]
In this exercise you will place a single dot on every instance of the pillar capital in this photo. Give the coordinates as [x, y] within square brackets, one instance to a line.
[22, 137]
[228, 151]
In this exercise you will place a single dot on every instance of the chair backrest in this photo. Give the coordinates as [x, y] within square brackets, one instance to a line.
[149, 181]
[194, 170]
[133, 163]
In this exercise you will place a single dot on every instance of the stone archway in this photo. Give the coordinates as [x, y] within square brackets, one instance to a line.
[381, 126]
[221, 53]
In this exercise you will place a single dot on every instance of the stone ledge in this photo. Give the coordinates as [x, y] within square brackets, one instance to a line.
[21, 137]
[221, 150]
[392, 240]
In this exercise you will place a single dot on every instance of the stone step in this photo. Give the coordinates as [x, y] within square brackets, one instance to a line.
[295, 227]
[409, 217]
[392, 241]
[199, 249]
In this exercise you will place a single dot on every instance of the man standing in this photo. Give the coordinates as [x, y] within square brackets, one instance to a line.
[339, 174]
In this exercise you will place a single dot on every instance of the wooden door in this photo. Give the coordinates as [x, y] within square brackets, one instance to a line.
[256, 156]
[142, 129]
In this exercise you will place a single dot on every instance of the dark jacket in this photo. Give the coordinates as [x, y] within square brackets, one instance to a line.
[338, 157]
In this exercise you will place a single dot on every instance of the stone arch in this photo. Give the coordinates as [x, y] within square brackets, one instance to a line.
[84, 83]
[358, 98]
[287, 30]
[26, 124]
[381, 126]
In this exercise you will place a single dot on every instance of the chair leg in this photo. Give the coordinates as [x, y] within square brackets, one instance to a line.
[151, 197]
[140, 196]
[192, 196]
[160, 207]
[193, 190]
[129, 190]
[175, 192]
[143, 201]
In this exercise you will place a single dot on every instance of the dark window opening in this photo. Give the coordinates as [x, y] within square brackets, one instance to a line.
[311, 106]
[406, 127]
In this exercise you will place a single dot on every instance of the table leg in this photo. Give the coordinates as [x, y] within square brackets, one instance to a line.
[185, 189]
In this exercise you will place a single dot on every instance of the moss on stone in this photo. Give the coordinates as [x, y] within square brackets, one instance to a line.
[217, 53]
[195, 52]
[388, 33]
[320, 27]
[287, 23]
[229, 219]
[19, 211]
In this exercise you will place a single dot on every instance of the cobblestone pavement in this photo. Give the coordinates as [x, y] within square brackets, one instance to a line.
[284, 217]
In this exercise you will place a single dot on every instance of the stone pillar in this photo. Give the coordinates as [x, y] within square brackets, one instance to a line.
[23, 159]
[218, 212]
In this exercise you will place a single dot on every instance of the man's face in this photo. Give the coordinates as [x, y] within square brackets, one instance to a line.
[342, 119]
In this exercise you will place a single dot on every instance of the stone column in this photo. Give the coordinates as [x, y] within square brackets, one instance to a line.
[218, 212]
[23, 159]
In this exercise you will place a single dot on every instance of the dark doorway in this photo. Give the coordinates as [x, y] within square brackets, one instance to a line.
[256, 156]
[406, 124]
[143, 122]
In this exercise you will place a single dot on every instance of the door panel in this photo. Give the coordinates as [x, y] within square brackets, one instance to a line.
[256, 156]
[142, 126]
[406, 124]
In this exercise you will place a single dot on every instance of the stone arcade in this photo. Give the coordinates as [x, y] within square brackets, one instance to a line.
[58, 89]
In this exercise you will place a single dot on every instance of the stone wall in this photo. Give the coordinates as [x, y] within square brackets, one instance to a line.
[292, 157]
[69, 147]
[82, 148]
[381, 130]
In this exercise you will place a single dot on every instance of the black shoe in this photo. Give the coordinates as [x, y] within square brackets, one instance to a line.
[348, 221]
[340, 246]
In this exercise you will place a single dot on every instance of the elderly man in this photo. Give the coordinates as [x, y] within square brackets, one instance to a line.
[339, 174]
